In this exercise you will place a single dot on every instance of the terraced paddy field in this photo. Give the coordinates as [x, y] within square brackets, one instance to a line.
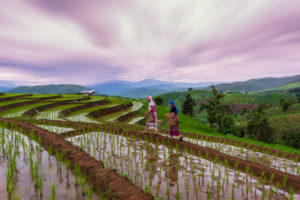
[78, 147]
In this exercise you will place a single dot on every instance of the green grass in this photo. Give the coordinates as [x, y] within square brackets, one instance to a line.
[88, 110]
[186, 123]
[9, 95]
[14, 101]
[284, 87]
[22, 109]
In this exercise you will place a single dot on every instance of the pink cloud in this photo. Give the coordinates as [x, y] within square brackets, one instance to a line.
[136, 39]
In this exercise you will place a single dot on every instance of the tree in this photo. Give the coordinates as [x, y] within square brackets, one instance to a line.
[259, 127]
[227, 124]
[261, 108]
[285, 104]
[291, 137]
[158, 100]
[216, 110]
[188, 105]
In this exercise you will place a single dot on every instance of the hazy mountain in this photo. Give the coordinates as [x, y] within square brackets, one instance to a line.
[143, 88]
[257, 84]
[6, 85]
[143, 92]
[4, 89]
[49, 89]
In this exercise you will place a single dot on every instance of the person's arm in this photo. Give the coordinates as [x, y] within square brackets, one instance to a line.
[151, 109]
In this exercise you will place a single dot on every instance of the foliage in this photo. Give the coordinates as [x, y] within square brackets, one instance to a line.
[291, 137]
[188, 105]
[260, 127]
[158, 100]
[218, 112]
[285, 104]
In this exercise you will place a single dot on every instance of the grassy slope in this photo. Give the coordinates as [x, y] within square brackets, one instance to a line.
[284, 87]
[187, 124]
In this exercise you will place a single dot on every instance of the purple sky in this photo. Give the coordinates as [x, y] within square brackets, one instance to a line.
[85, 42]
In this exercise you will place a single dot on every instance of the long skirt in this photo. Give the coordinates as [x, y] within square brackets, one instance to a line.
[174, 130]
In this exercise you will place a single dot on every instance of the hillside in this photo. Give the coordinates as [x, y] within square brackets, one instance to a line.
[283, 87]
[143, 92]
[148, 87]
[257, 84]
[3, 89]
[49, 89]
[232, 99]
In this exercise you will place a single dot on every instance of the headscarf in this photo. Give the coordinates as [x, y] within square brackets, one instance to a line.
[151, 103]
[173, 103]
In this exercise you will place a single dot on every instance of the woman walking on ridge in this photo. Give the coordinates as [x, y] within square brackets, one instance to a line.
[152, 116]
[173, 120]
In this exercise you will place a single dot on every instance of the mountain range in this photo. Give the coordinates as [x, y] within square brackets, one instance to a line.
[150, 87]
[257, 84]
[143, 88]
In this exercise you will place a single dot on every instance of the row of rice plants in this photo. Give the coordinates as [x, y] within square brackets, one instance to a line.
[18, 112]
[34, 173]
[169, 173]
[281, 164]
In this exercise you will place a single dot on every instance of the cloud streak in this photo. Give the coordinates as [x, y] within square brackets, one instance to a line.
[72, 41]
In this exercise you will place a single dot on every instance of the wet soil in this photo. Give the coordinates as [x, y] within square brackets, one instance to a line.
[110, 110]
[14, 97]
[81, 107]
[162, 168]
[26, 103]
[101, 178]
[48, 169]
[255, 168]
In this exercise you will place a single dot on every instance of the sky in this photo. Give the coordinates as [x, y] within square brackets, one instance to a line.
[92, 41]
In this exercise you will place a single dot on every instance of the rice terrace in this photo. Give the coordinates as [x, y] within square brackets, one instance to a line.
[81, 147]
[149, 100]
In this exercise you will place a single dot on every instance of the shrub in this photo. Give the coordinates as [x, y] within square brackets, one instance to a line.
[291, 137]
[158, 100]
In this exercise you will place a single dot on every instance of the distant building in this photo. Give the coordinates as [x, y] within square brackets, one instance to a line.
[87, 92]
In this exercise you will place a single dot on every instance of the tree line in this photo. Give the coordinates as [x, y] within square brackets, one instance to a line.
[221, 118]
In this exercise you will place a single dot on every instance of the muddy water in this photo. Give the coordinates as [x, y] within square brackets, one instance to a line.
[81, 118]
[135, 120]
[135, 107]
[55, 129]
[169, 173]
[25, 189]
[285, 165]
[52, 115]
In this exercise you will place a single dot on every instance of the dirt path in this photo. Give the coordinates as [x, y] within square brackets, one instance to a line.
[101, 178]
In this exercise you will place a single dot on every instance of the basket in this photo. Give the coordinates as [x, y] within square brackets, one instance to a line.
[149, 117]
[172, 119]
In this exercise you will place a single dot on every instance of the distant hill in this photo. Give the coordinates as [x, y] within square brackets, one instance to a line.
[4, 89]
[142, 92]
[283, 88]
[143, 88]
[6, 85]
[49, 89]
[257, 84]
